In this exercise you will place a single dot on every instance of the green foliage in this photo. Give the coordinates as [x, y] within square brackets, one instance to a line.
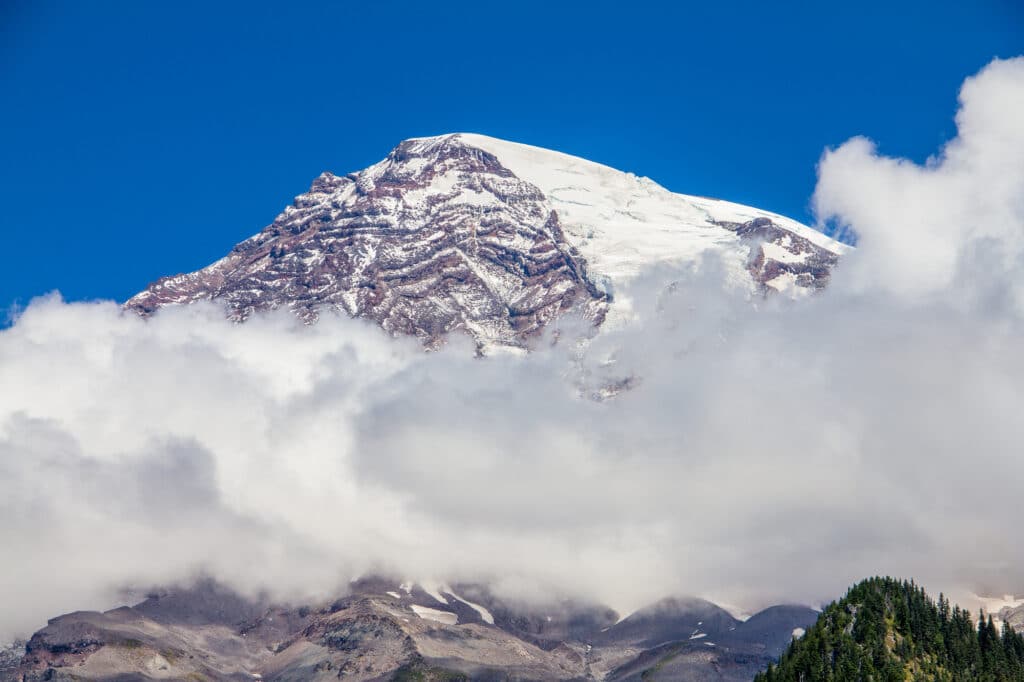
[886, 630]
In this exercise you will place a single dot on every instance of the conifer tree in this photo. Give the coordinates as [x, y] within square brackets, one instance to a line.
[888, 630]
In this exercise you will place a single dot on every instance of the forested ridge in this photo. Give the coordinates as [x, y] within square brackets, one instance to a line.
[888, 630]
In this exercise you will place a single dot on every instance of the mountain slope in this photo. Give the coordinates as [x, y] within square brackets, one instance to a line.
[493, 238]
[623, 224]
[884, 629]
[386, 630]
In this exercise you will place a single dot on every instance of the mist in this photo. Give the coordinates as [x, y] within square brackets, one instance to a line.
[767, 450]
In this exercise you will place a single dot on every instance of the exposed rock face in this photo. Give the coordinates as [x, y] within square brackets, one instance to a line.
[437, 237]
[464, 232]
[1013, 616]
[10, 658]
[385, 631]
[781, 260]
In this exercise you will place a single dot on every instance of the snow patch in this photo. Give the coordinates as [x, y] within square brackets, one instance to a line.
[433, 589]
[624, 225]
[777, 253]
[485, 615]
[427, 613]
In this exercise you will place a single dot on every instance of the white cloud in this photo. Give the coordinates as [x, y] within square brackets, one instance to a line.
[921, 226]
[769, 452]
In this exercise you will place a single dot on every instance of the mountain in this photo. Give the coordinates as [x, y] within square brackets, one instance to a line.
[492, 238]
[453, 234]
[387, 630]
[885, 629]
[1013, 615]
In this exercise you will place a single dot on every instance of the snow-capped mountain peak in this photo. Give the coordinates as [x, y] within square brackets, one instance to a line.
[495, 238]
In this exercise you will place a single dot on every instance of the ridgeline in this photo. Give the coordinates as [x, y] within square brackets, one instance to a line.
[886, 630]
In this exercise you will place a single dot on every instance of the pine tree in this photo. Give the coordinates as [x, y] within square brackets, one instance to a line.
[887, 630]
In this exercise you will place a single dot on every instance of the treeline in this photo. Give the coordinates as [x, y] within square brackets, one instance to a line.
[886, 630]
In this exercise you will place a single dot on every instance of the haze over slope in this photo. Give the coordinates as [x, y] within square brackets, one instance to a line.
[770, 450]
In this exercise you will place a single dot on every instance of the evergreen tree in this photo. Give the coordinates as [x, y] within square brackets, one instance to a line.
[889, 630]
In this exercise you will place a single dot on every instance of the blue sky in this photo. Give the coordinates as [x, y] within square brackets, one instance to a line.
[143, 139]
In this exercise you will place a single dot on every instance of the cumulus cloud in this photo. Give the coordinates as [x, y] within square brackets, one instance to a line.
[922, 229]
[768, 450]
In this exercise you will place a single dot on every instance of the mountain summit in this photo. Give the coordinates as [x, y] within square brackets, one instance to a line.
[494, 238]
[385, 630]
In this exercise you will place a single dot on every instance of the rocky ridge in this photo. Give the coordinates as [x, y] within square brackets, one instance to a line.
[385, 630]
[468, 233]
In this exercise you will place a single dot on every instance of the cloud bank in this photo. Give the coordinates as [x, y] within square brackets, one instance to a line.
[770, 450]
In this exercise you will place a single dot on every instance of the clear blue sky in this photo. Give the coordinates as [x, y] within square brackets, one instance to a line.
[144, 138]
